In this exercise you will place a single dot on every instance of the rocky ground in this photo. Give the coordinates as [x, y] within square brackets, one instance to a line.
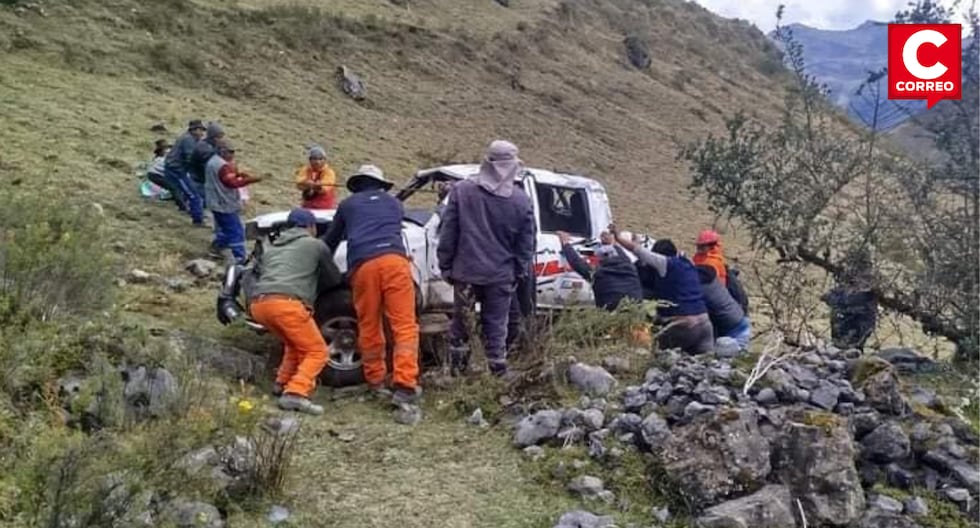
[826, 438]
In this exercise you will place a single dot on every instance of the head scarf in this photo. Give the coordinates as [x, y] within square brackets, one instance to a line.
[499, 169]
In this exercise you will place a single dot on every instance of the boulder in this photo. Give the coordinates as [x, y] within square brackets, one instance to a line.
[593, 419]
[885, 503]
[634, 398]
[825, 395]
[586, 486]
[200, 268]
[907, 359]
[718, 455]
[637, 51]
[816, 460]
[864, 422]
[616, 364]
[148, 393]
[594, 381]
[538, 427]
[766, 396]
[887, 443]
[770, 507]
[916, 507]
[966, 474]
[726, 347]
[584, 519]
[882, 391]
[138, 276]
[882, 519]
[534, 452]
[351, 84]
[654, 430]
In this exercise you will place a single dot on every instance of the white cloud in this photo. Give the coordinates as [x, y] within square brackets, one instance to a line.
[823, 14]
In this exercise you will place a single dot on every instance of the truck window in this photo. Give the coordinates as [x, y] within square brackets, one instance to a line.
[563, 209]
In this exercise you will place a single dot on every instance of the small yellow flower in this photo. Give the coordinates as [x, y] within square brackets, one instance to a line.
[245, 406]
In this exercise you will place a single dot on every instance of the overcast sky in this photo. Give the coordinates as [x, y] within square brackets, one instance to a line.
[823, 14]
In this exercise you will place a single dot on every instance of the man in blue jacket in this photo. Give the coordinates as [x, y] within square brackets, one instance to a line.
[176, 168]
[486, 243]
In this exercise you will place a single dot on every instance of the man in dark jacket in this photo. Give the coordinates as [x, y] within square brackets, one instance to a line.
[688, 326]
[613, 280]
[725, 313]
[486, 243]
[295, 268]
[202, 153]
[177, 167]
[381, 280]
[853, 302]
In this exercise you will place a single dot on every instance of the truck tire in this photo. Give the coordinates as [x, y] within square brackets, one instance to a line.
[338, 322]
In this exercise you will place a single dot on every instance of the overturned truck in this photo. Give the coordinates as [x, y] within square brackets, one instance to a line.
[562, 202]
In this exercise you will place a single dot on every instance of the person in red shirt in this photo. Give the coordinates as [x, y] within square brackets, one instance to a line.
[222, 181]
[316, 180]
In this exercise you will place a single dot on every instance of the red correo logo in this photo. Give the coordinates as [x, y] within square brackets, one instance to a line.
[924, 62]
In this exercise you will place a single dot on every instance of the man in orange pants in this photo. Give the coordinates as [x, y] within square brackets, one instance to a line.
[381, 279]
[295, 268]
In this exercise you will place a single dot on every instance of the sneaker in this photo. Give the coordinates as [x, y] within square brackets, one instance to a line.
[406, 396]
[278, 389]
[293, 402]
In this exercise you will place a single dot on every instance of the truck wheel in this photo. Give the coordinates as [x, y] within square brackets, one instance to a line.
[338, 322]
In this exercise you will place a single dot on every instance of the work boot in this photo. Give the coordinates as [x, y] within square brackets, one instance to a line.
[294, 402]
[406, 396]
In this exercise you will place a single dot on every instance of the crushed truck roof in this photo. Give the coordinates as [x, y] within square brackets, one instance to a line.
[463, 171]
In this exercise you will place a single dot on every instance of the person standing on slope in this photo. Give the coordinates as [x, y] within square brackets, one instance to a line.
[381, 281]
[177, 167]
[203, 151]
[486, 243]
[222, 183]
[316, 180]
[296, 268]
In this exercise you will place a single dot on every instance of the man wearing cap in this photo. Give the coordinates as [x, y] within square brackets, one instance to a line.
[380, 275]
[708, 253]
[296, 268]
[486, 243]
[222, 182]
[202, 155]
[316, 180]
[177, 166]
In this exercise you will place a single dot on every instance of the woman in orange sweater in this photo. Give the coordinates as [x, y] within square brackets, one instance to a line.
[708, 253]
[316, 180]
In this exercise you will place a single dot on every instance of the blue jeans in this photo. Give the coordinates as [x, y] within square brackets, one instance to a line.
[741, 333]
[188, 196]
[199, 189]
[229, 232]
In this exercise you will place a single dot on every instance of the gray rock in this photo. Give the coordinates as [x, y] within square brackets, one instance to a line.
[802, 395]
[277, 515]
[177, 285]
[197, 461]
[654, 430]
[616, 364]
[770, 507]
[594, 381]
[664, 393]
[281, 425]
[713, 395]
[596, 448]
[907, 360]
[695, 409]
[188, 514]
[660, 514]
[766, 396]
[540, 426]
[726, 347]
[584, 519]
[966, 474]
[864, 422]
[881, 519]
[803, 376]
[571, 435]
[477, 419]
[885, 504]
[626, 423]
[717, 455]
[916, 507]
[593, 419]
[887, 443]
[844, 408]
[655, 375]
[149, 393]
[825, 395]
[898, 477]
[138, 276]
[503, 3]
[200, 268]
[637, 51]
[534, 452]
[676, 405]
[351, 84]
[817, 463]
[883, 393]
[407, 414]
[634, 398]
[586, 486]
[957, 495]
[606, 496]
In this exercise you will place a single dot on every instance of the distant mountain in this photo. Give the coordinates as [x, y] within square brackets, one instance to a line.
[843, 60]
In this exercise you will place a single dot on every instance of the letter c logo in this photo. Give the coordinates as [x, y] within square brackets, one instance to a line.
[910, 54]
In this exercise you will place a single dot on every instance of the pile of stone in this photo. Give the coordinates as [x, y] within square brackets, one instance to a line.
[814, 442]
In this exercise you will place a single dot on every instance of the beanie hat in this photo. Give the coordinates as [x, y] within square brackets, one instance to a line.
[300, 217]
[317, 151]
[215, 130]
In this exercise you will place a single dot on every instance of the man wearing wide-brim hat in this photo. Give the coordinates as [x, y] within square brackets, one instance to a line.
[380, 275]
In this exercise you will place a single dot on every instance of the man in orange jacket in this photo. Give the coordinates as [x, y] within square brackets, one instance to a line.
[708, 253]
[381, 280]
[316, 180]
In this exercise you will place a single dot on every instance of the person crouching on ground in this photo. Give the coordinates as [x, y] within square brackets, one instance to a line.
[156, 173]
[726, 315]
[708, 253]
[381, 281]
[688, 325]
[486, 243]
[296, 268]
[222, 182]
[316, 180]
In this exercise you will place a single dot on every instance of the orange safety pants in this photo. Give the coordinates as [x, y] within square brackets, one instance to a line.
[383, 289]
[305, 352]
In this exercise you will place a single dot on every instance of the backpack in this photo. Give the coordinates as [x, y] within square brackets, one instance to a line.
[736, 290]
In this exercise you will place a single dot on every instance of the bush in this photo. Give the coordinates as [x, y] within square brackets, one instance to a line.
[53, 260]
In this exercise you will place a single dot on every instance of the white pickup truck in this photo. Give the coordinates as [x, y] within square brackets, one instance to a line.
[562, 202]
